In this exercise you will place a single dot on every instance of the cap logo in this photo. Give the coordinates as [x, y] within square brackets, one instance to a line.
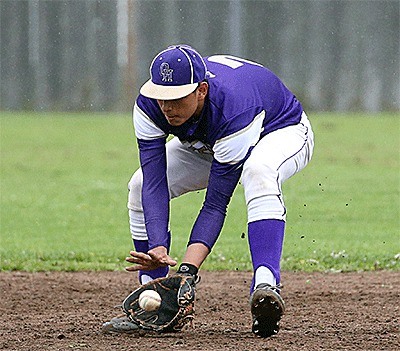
[174, 73]
[166, 72]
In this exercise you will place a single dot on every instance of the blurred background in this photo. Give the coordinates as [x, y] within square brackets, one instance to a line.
[91, 55]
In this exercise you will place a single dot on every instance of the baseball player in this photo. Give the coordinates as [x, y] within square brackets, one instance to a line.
[231, 119]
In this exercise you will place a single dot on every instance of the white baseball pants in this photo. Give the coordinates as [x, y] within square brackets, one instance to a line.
[276, 157]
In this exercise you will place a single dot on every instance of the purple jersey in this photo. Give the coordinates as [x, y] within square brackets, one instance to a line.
[245, 102]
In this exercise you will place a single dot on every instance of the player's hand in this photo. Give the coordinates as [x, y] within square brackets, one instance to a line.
[153, 259]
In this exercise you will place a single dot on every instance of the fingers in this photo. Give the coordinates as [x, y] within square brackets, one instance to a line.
[163, 259]
[152, 260]
[140, 261]
[136, 268]
[138, 257]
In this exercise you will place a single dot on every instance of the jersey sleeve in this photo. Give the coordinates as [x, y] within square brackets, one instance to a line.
[155, 194]
[145, 128]
[230, 152]
[221, 184]
[234, 147]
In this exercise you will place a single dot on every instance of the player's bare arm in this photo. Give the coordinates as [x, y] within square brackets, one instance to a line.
[196, 254]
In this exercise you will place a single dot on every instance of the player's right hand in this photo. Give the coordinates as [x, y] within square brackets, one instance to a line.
[151, 260]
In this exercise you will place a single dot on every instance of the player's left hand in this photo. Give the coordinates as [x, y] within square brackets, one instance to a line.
[154, 258]
[177, 294]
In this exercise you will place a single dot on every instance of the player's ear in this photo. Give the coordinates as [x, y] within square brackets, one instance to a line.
[202, 90]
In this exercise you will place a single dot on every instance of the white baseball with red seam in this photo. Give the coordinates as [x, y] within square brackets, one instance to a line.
[149, 300]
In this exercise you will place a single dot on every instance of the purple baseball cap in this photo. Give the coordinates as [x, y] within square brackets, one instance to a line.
[175, 73]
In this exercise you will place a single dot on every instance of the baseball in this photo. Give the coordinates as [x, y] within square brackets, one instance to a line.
[149, 300]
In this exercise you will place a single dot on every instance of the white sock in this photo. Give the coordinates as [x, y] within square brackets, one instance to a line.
[145, 279]
[264, 275]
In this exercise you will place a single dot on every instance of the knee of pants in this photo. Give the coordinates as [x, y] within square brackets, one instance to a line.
[266, 207]
[259, 180]
[135, 191]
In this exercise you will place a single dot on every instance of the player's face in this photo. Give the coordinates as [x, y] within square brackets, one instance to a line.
[179, 111]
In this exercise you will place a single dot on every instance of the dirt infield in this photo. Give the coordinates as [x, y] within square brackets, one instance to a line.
[64, 311]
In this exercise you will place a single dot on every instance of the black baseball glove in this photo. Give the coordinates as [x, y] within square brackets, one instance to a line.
[177, 303]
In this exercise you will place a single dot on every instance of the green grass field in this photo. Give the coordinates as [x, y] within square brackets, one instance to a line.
[63, 197]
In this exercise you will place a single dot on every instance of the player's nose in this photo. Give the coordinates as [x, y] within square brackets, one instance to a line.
[166, 106]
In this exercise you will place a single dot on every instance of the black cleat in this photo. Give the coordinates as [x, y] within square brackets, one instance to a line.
[267, 309]
[120, 324]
